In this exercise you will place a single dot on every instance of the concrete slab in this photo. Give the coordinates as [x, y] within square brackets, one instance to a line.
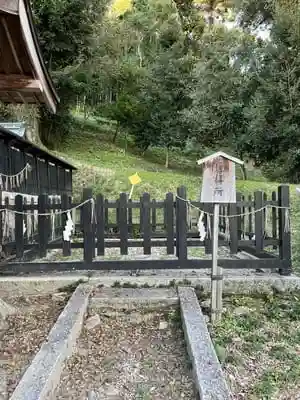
[43, 375]
[208, 374]
[237, 284]
[131, 298]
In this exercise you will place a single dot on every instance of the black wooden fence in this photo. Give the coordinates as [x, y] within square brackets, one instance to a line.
[170, 223]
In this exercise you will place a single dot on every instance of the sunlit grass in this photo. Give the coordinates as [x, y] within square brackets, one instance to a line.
[119, 7]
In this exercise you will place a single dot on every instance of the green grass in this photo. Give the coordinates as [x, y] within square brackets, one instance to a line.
[258, 343]
[106, 167]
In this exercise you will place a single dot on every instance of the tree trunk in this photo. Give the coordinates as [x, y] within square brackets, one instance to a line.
[244, 172]
[116, 133]
[167, 158]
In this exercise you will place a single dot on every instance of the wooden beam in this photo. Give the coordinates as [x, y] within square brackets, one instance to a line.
[9, 6]
[11, 44]
[19, 83]
[22, 98]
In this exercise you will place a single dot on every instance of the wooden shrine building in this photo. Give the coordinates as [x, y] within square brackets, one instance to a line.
[25, 168]
[24, 79]
[23, 75]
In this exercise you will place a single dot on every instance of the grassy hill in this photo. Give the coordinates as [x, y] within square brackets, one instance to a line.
[106, 167]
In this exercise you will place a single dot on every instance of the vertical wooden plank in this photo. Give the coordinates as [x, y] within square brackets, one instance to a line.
[165, 222]
[243, 218]
[209, 222]
[169, 212]
[19, 220]
[250, 218]
[259, 218]
[130, 227]
[153, 215]
[182, 228]
[100, 228]
[284, 229]
[233, 229]
[33, 230]
[42, 225]
[88, 227]
[106, 215]
[274, 219]
[49, 191]
[2, 216]
[25, 234]
[6, 225]
[222, 219]
[117, 216]
[123, 224]
[65, 206]
[146, 223]
[57, 178]
[239, 219]
[141, 216]
[265, 216]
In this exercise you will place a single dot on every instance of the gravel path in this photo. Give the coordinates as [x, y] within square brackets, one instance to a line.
[158, 253]
[125, 358]
[22, 334]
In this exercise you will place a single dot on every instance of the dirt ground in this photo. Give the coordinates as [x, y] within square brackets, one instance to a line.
[139, 356]
[22, 334]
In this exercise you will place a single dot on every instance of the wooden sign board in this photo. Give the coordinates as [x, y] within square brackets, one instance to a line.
[218, 185]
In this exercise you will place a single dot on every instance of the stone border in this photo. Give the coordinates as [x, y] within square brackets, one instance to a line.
[231, 284]
[43, 374]
[208, 374]
[132, 298]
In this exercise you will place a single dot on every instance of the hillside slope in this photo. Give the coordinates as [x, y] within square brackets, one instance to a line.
[105, 167]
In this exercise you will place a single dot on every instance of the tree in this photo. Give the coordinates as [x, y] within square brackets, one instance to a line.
[216, 113]
[273, 114]
[65, 30]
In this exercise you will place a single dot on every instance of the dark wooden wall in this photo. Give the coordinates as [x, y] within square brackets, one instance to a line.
[46, 177]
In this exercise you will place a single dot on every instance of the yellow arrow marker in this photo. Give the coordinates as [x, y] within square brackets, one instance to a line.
[134, 180]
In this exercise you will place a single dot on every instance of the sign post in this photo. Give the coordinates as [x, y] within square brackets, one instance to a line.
[218, 187]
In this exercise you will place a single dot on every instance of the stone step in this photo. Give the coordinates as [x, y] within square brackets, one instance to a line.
[130, 298]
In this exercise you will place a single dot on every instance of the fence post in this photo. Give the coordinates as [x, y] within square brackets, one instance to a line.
[43, 225]
[169, 221]
[233, 229]
[181, 224]
[153, 215]
[123, 224]
[284, 229]
[274, 220]
[141, 216]
[88, 227]
[19, 226]
[65, 205]
[100, 227]
[259, 219]
[130, 227]
[250, 226]
[106, 220]
[239, 212]
[146, 223]
[209, 208]
[2, 216]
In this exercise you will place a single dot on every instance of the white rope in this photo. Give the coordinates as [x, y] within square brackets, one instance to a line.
[234, 215]
[180, 198]
[14, 180]
[26, 168]
[59, 212]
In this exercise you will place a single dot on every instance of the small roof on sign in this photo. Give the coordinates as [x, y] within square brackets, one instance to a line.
[220, 154]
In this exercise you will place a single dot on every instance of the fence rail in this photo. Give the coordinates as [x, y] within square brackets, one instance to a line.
[255, 224]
